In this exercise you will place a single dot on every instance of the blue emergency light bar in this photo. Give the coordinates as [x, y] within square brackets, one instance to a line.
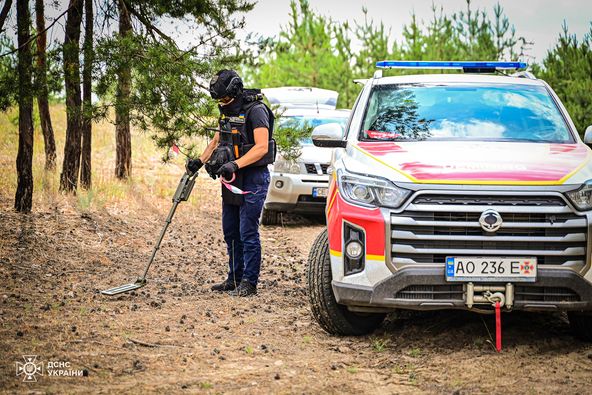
[466, 66]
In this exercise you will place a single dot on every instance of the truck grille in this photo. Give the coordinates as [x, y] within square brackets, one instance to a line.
[311, 168]
[545, 294]
[522, 293]
[431, 292]
[436, 226]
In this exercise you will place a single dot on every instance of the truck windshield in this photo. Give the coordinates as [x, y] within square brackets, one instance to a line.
[500, 112]
[305, 124]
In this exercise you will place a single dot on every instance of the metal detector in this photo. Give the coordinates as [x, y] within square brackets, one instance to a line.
[181, 195]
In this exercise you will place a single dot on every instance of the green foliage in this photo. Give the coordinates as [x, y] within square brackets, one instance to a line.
[568, 69]
[375, 45]
[166, 99]
[8, 82]
[8, 71]
[288, 135]
[169, 96]
[380, 345]
[315, 51]
[310, 51]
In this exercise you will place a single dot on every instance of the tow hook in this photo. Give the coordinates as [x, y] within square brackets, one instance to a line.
[490, 294]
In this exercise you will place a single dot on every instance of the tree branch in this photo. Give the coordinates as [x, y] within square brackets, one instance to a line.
[149, 25]
[4, 13]
[32, 38]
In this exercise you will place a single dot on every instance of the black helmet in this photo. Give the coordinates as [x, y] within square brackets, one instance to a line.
[226, 83]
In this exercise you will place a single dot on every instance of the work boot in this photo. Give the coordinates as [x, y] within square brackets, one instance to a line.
[245, 288]
[224, 286]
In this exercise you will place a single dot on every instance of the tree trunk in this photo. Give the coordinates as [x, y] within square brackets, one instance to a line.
[85, 166]
[42, 101]
[4, 13]
[123, 156]
[24, 160]
[71, 164]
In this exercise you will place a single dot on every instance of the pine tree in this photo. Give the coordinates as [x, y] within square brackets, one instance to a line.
[568, 69]
[71, 51]
[85, 162]
[41, 87]
[24, 160]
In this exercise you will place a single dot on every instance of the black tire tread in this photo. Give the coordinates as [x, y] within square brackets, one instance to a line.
[331, 316]
[270, 217]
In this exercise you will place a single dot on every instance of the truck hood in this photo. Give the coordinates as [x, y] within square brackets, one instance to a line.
[452, 162]
[312, 154]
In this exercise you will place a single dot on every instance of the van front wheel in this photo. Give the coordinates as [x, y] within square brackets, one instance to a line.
[331, 316]
[270, 217]
[581, 325]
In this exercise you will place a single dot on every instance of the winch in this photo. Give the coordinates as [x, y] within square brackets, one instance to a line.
[489, 294]
[496, 295]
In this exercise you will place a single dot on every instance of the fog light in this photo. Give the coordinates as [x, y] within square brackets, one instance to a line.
[279, 184]
[354, 249]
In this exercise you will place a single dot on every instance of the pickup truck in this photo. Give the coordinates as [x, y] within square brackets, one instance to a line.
[454, 191]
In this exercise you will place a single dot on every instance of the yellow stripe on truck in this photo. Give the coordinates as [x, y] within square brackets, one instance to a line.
[335, 253]
[375, 257]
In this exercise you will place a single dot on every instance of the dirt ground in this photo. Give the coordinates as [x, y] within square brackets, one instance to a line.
[176, 336]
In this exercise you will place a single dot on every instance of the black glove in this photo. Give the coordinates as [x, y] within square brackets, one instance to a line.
[228, 169]
[193, 165]
[210, 170]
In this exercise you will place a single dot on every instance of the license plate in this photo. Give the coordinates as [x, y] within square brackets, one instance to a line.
[319, 192]
[491, 269]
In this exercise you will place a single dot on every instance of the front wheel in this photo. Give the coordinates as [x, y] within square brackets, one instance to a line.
[581, 325]
[270, 217]
[331, 316]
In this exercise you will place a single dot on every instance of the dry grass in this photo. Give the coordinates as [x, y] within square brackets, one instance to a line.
[150, 176]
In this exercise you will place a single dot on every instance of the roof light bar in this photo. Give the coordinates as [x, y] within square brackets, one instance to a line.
[467, 66]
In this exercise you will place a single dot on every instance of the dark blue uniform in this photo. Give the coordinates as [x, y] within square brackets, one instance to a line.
[240, 223]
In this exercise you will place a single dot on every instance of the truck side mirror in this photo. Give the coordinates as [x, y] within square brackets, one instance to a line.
[329, 135]
[587, 136]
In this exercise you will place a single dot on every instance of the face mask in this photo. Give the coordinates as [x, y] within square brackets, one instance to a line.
[232, 108]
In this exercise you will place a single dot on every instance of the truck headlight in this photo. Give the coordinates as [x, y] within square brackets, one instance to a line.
[285, 166]
[370, 191]
[582, 197]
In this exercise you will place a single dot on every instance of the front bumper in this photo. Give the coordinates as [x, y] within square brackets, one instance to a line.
[293, 193]
[426, 288]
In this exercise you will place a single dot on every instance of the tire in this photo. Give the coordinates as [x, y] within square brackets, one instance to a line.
[334, 318]
[581, 325]
[270, 217]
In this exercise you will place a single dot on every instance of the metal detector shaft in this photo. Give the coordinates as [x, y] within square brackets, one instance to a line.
[181, 194]
[162, 232]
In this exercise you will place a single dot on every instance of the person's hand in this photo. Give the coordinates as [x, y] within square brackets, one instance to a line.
[193, 165]
[210, 171]
[228, 169]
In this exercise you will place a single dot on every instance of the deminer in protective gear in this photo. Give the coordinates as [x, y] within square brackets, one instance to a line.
[239, 153]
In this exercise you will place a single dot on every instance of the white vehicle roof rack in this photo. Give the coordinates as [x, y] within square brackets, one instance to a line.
[302, 97]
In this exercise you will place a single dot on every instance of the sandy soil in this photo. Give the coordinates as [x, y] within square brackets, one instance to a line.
[176, 336]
